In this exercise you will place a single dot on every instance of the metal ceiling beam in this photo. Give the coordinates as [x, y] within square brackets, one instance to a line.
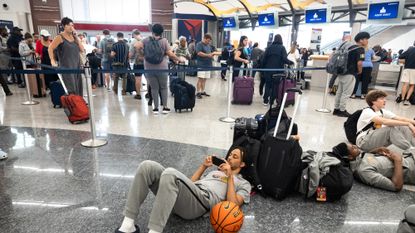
[352, 12]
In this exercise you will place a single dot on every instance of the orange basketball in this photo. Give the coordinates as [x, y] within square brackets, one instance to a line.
[226, 217]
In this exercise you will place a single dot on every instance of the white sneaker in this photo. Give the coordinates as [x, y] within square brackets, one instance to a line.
[3, 155]
[406, 102]
[155, 111]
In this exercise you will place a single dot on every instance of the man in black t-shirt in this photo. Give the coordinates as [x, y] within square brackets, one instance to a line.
[119, 54]
[356, 57]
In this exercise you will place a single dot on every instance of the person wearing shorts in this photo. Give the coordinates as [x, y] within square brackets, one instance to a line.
[138, 57]
[204, 59]
[408, 76]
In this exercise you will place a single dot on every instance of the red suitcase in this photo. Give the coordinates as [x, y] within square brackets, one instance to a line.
[74, 106]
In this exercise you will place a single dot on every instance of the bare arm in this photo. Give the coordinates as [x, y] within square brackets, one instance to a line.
[397, 178]
[391, 122]
[399, 118]
[55, 43]
[237, 57]
[172, 56]
[199, 172]
[359, 67]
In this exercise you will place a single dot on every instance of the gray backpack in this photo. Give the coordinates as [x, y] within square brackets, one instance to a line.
[408, 224]
[153, 52]
[338, 62]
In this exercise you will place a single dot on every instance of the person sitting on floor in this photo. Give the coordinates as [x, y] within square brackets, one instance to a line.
[381, 168]
[387, 128]
[187, 198]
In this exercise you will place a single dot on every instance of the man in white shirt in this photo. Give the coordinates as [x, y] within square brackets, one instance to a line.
[386, 128]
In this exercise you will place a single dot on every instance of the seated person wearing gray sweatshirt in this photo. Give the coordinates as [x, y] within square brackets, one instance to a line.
[187, 198]
[386, 127]
[381, 168]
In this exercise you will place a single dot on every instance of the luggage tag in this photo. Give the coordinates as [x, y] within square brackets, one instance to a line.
[321, 194]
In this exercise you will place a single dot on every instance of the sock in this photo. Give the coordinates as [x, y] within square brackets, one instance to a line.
[153, 231]
[127, 225]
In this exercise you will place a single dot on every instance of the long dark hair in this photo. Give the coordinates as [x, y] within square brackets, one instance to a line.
[277, 39]
[241, 149]
[241, 41]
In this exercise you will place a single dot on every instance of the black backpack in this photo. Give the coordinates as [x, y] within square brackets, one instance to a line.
[153, 52]
[337, 182]
[350, 126]
[252, 147]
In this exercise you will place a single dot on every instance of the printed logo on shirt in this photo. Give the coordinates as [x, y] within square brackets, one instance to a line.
[224, 179]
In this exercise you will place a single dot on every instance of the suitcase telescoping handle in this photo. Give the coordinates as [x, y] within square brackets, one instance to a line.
[63, 84]
[297, 103]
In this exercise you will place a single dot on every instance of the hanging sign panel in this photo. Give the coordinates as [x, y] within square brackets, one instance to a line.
[316, 16]
[266, 19]
[387, 10]
[230, 23]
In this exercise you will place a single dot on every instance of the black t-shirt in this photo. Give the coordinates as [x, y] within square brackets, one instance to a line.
[409, 56]
[355, 55]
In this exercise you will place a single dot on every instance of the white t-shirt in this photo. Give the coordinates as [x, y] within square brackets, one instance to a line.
[294, 57]
[366, 118]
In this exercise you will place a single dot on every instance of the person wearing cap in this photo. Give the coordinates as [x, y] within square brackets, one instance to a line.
[381, 167]
[408, 77]
[356, 56]
[42, 49]
[13, 45]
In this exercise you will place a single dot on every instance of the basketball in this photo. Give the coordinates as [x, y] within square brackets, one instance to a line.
[226, 217]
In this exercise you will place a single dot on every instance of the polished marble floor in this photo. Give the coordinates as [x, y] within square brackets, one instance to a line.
[50, 183]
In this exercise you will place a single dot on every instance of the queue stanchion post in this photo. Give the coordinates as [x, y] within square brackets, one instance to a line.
[228, 118]
[29, 101]
[324, 108]
[93, 142]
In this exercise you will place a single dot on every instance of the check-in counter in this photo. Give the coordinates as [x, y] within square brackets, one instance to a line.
[319, 77]
[388, 75]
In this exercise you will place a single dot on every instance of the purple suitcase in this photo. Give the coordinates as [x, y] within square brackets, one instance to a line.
[282, 88]
[243, 90]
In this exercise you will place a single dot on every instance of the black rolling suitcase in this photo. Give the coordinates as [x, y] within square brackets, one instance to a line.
[279, 164]
[184, 96]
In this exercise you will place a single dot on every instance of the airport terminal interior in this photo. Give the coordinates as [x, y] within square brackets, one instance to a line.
[50, 182]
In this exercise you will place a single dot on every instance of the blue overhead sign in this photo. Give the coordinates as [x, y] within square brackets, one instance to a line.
[229, 22]
[316, 16]
[387, 10]
[267, 19]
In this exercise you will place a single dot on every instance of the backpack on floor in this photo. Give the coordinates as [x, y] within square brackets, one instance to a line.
[350, 126]
[252, 147]
[153, 52]
[338, 61]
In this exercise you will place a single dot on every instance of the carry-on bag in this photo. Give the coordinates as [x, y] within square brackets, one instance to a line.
[184, 96]
[279, 164]
[37, 84]
[243, 88]
[286, 82]
[56, 91]
[74, 106]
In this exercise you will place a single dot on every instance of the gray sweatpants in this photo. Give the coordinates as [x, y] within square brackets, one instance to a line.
[158, 82]
[345, 89]
[174, 193]
[400, 136]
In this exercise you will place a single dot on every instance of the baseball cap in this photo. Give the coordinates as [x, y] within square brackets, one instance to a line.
[44, 33]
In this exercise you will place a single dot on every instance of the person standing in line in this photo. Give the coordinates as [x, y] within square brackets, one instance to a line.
[138, 57]
[408, 77]
[154, 46]
[44, 44]
[27, 51]
[69, 49]
[13, 45]
[293, 54]
[356, 56]
[275, 57]
[204, 56]
[256, 55]
[119, 54]
[104, 48]
[241, 58]
[366, 76]
[4, 60]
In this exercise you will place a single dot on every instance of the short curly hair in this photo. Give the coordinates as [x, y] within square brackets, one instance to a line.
[374, 95]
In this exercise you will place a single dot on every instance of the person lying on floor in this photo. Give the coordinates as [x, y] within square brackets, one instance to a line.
[187, 198]
[381, 168]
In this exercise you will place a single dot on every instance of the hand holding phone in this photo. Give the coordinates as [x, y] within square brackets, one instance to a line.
[217, 161]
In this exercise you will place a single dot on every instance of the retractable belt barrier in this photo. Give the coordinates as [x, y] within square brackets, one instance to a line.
[86, 71]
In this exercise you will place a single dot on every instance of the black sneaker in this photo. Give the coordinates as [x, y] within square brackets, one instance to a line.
[137, 97]
[136, 231]
[336, 111]
[199, 95]
[342, 113]
[22, 85]
[9, 94]
[147, 96]
[150, 102]
[205, 94]
[166, 110]
[155, 111]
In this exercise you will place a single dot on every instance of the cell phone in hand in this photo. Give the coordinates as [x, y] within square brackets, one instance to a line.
[217, 161]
